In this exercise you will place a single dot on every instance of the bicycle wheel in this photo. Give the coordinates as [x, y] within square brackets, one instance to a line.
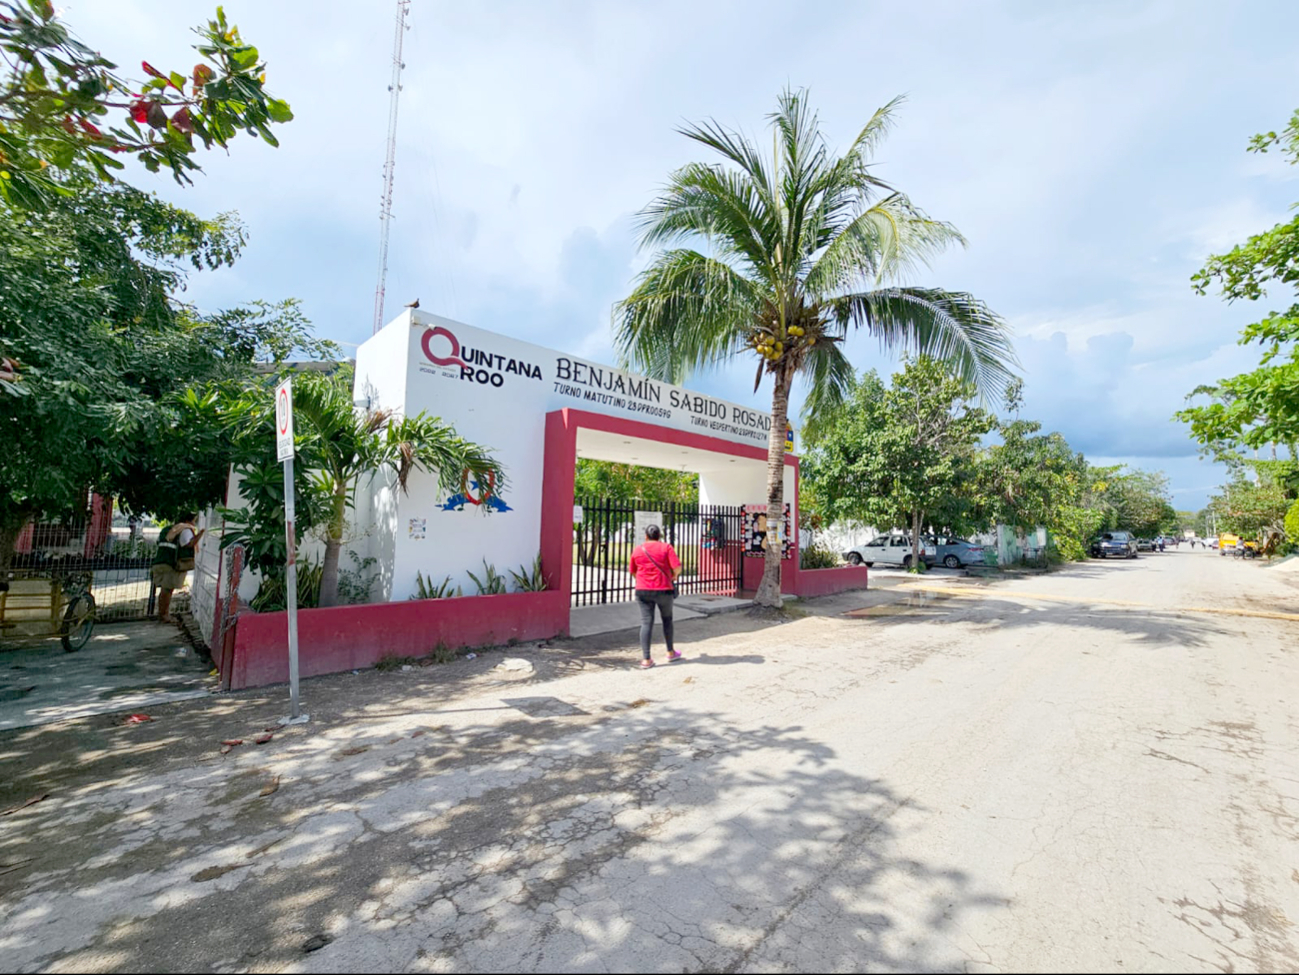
[78, 622]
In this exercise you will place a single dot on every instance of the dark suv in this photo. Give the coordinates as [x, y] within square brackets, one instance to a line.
[1119, 545]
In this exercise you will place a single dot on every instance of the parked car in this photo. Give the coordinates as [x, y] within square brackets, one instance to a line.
[956, 552]
[1145, 545]
[1114, 545]
[890, 550]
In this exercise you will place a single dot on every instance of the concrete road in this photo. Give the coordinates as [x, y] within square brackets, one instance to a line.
[1093, 770]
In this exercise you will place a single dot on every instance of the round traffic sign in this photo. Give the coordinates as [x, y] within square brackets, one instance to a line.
[282, 411]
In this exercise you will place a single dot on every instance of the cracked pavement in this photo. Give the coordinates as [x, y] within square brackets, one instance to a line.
[932, 783]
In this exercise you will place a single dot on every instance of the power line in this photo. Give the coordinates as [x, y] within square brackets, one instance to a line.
[390, 163]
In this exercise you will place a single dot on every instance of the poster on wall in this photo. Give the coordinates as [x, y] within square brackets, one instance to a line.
[755, 531]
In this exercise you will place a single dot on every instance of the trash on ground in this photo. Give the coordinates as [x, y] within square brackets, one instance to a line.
[515, 665]
[270, 787]
[471, 656]
[137, 719]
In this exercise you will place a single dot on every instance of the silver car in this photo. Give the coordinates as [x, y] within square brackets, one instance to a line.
[890, 550]
[958, 552]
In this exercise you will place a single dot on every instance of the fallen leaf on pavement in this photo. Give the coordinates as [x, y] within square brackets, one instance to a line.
[270, 786]
[263, 738]
[226, 749]
[23, 805]
[211, 873]
[138, 719]
[354, 751]
[233, 741]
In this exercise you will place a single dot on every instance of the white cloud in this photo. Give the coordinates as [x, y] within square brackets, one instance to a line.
[1093, 156]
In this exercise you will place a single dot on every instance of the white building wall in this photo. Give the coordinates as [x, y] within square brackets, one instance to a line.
[503, 405]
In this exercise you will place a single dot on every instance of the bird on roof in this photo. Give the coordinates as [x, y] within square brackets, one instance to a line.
[413, 304]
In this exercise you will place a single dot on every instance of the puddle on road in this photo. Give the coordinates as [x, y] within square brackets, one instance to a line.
[914, 604]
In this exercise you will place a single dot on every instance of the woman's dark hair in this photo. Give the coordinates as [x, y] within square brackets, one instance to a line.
[653, 533]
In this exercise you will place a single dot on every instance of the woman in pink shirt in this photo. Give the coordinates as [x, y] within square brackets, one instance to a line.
[654, 565]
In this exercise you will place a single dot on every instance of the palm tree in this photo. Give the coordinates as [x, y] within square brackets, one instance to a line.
[343, 443]
[795, 252]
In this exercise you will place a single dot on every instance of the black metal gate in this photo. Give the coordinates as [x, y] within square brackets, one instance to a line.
[115, 561]
[708, 539]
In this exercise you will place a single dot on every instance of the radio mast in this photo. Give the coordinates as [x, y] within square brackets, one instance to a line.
[390, 163]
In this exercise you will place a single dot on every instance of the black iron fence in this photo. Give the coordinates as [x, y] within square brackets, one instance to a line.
[708, 539]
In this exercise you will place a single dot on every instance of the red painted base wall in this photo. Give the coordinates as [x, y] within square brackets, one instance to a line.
[826, 582]
[351, 637]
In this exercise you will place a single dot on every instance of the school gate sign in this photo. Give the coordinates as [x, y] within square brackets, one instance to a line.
[537, 410]
[498, 392]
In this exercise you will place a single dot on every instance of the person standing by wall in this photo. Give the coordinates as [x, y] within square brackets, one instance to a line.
[176, 547]
[655, 566]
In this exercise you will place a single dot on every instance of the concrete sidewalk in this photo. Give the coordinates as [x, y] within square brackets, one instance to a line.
[125, 666]
[616, 617]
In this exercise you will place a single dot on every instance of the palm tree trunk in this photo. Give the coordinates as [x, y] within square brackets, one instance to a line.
[333, 546]
[916, 517]
[769, 590]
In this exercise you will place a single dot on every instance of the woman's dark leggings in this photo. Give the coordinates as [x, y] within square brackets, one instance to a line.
[648, 599]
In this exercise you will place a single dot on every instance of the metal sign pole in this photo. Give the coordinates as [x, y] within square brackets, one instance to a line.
[291, 585]
[284, 451]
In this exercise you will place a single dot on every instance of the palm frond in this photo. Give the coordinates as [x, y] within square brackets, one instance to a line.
[887, 240]
[717, 205]
[739, 150]
[830, 376]
[687, 313]
[951, 326]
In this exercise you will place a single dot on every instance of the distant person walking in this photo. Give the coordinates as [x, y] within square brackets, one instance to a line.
[176, 548]
[655, 566]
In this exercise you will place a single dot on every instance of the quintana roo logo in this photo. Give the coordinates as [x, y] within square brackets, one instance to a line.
[426, 342]
[474, 492]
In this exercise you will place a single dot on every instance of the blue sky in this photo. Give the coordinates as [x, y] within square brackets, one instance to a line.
[1093, 155]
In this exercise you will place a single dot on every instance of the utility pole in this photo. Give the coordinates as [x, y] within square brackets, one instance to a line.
[390, 163]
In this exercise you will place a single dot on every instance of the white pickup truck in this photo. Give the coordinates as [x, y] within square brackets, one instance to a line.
[890, 550]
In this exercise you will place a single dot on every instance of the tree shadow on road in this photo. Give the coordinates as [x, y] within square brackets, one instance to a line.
[1146, 627]
[657, 838]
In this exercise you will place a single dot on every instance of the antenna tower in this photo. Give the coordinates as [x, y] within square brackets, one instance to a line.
[390, 163]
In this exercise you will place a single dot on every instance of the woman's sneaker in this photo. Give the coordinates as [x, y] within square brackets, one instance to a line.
[646, 664]
[673, 655]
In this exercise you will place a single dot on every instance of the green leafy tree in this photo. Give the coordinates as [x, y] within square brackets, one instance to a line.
[1258, 408]
[901, 454]
[631, 482]
[337, 446]
[63, 107]
[1030, 478]
[105, 356]
[1137, 501]
[779, 258]
[1252, 509]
